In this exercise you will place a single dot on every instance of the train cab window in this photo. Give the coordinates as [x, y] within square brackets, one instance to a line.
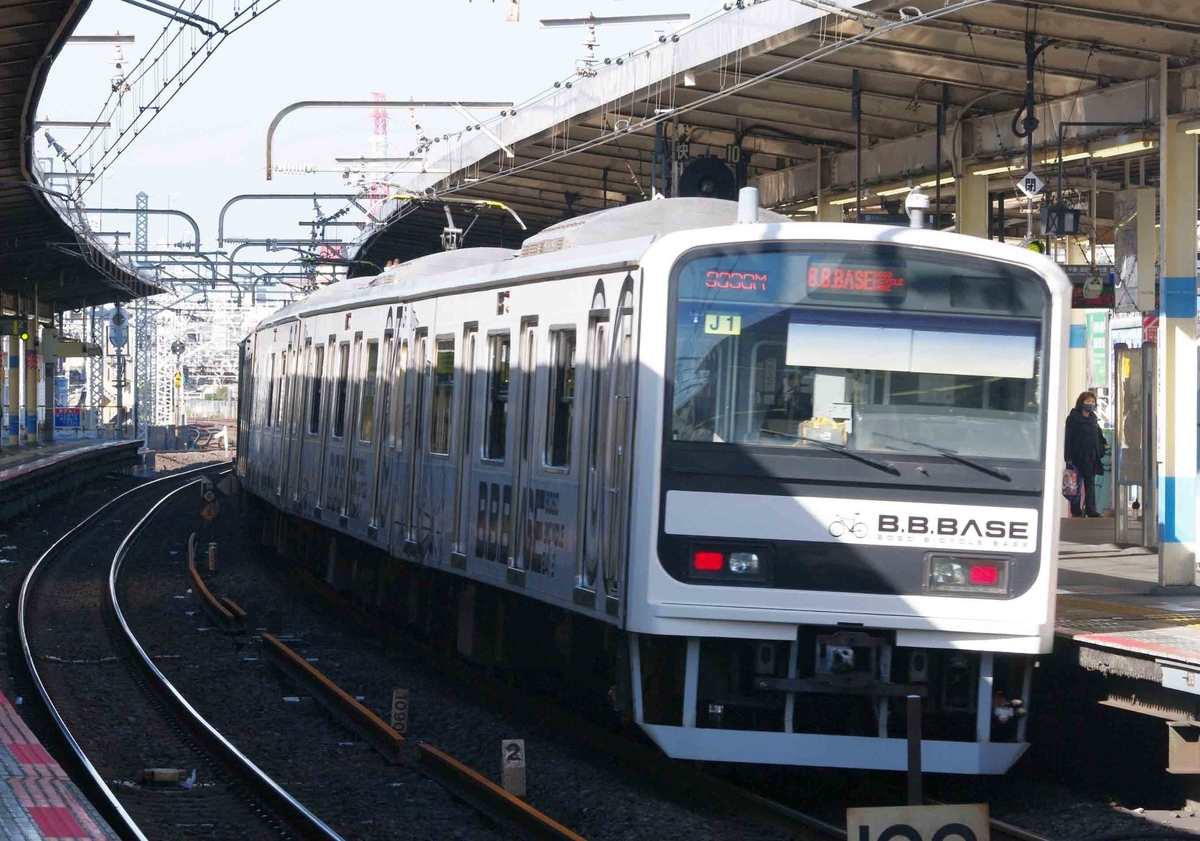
[366, 409]
[314, 390]
[340, 390]
[562, 398]
[270, 413]
[496, 432]
[443, 398]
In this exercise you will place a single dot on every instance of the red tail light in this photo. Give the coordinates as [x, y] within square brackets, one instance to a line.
[708, 561]
[986, 576]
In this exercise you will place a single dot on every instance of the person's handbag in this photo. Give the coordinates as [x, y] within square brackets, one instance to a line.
[1072, 484]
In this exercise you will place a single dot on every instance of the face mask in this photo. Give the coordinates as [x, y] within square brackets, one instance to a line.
[1089, 407]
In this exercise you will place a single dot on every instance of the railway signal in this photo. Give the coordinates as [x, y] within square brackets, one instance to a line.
[15, 325]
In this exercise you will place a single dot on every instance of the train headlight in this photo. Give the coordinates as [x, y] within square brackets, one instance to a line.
[966, 575]
[743, 563]
[944, 571]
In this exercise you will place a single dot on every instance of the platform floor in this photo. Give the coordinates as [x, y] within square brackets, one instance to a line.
[19, 461]
[1108, 597]
[37, 800]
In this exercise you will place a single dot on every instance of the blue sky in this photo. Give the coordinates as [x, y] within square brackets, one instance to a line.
[208, 145]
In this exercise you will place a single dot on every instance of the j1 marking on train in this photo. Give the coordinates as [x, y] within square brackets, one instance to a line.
[966, 822]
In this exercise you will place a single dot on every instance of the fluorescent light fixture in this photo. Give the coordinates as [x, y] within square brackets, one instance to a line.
[812, 208]
[893, 192]
[847, 200]
[994, 169]
[943, 182]
[1066, 158]
[1190, 126]
[1123, 145]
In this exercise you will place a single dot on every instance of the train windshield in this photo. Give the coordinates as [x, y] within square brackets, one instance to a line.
[874, 348]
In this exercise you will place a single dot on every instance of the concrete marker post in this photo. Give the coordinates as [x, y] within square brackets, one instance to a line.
[512, 766]
[400, 710]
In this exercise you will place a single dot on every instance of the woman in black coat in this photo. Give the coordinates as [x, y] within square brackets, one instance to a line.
[1085, 448]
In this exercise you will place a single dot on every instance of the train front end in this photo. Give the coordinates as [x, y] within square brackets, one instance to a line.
[846, 455]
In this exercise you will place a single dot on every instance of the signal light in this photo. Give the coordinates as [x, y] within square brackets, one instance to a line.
[15, 326]
[708, 561]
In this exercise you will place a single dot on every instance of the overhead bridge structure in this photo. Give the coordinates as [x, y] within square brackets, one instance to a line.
[835, 107]
[46, 254]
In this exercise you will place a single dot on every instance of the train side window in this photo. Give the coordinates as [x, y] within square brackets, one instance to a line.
[562, 398]
[315, 381]
[443, 397]
[270, 413]
[366, 408]
[340, 389]
[496, 431]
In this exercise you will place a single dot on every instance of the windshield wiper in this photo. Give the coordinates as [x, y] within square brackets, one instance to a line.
[839, 448]
[953, 456]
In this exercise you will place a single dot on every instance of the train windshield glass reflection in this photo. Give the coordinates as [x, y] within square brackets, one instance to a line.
[859, 345]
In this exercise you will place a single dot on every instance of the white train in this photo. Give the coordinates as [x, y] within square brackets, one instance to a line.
[757, 482]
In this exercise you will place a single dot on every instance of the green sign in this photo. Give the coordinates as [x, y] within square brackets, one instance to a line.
[1097, 348]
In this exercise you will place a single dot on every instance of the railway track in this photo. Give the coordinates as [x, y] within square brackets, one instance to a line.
[115, 711]
[620, 750]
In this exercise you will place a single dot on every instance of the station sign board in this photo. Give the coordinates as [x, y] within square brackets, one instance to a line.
[68, 418]
[1092, 289]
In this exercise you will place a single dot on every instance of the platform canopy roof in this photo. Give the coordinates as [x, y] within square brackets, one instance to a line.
[785, 123]
[44, 253]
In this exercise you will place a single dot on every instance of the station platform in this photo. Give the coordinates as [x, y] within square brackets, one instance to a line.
[33, 473]
[1109, 598]
[38, 800]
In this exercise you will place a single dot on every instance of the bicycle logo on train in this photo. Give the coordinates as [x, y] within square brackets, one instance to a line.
[848, 524]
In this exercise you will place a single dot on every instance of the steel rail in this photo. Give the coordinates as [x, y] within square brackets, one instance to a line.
[300, 818]
[105, 799]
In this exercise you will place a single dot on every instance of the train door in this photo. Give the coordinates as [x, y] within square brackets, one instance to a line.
[362, 457]
[394, 480]
[384, 439]
[619, 434]
[291, 372]
[416, 461]
[335, 431]
[592, 478]
[351, 424]
[466, 452]
[245, 389]
[525, 454]
[299, 415]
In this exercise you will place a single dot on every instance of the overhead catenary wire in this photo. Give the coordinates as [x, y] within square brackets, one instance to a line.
[174, 84]
[647, 122]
